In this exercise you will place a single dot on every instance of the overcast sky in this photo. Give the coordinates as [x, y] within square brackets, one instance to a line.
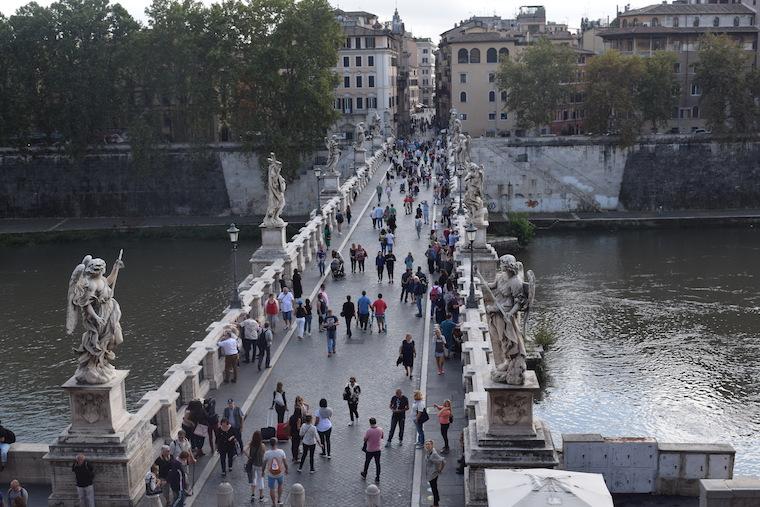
[428, 18]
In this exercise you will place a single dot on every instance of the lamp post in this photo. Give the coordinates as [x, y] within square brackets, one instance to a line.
[318, 174]
[235, 299]
[460, 210]
[470, 230]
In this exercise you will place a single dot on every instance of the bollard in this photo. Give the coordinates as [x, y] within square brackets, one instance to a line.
[297, 496]
[225, 496]
[373, 496]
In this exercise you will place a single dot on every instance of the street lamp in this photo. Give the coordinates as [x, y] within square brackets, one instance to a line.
[318, 174]
[459, 170]
[470, 230]
[235, 299]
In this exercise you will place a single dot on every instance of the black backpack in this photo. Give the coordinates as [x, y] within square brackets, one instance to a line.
[10, 437]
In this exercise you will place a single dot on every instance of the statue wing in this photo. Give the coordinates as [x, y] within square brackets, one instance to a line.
[529, 288]
[72, 312]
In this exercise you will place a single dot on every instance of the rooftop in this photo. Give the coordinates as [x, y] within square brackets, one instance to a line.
[688, 9]
[666, 30]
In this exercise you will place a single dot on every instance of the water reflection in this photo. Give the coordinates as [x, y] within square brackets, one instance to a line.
[658, 334]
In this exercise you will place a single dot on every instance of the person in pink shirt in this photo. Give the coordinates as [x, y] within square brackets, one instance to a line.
[373, 440]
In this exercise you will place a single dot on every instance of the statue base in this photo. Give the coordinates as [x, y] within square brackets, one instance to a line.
[510, 407]
[272, 247]
[330, 188]
[117, 443]
[360, 156]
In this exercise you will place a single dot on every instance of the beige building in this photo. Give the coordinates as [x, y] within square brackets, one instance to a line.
[426, 61]
[677, 27]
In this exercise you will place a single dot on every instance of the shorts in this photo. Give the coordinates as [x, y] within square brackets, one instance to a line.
[380, 319]
[287, 315]
[272, 481]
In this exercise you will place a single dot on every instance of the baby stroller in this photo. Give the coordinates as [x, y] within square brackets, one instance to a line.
[402, 187]
[337, 269]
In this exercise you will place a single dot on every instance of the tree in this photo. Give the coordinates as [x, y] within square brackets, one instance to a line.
[729, 85]
[657, 92]
[536, 82]
[612, 95]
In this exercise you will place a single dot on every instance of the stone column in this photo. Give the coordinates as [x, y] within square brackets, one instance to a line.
[191, 386]
[213, 367]
[166, 417]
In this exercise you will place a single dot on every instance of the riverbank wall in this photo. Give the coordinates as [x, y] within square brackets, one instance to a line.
[180, 180]
[659, 173]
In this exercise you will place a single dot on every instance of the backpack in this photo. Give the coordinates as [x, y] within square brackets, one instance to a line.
[10, 437]
[274, 467]
[434, 293]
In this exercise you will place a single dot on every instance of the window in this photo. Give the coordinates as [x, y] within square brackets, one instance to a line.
[504, 96]
[491, 116]
[358, 81]
[369, 42]
[424, 51]
[695, 112]
[372, 102]
[736, 21]
[491, 55]
[677, 68]
[625, 23]
[503, 54]
[675, 22]
[358, 43]
[346, 61]
[658, 44]
[716, 21]
[463, 78]
[635, 22]
[424, 82]
[462, 56]
[463, 97]
[503, 116]
[358, 61]
[696, 21]
[371, 81]
[474, 55]
[371, 60]
[655, 22]
[348, 43]
[346, 81]
[492, 96]
[696, 90]
[359, 103]
[424, 60]
[491, 77]
[464, 116]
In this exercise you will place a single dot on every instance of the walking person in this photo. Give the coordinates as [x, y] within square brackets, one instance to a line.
[229, 346]
[226, 445]
[271, 309]
[351, 395]
[361, 256]
[379, 190]
[327, 235]
[339, 220]
[348, 313]
[309, 440]
[324, 426]
[352, 257]
[380, 265]
[321, 310]
[379, 306]
[434, 464]
[275, 467]
[439, 344]
[279, 403]
[331, 325]
[250, 333]
[409, 261]
[399, 406]
[285, 300]
[84, 473]
[390, 261]
[264, 344]
[297, 285]
[373, 439]
[363, 308]
[408, 352]
[321, 256]
[348, 214]
[300, 319]
[254, 466]
[445, 418]
[420, 415]
[236, 418]
[308, 317]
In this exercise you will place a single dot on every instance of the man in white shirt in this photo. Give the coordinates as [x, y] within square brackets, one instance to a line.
[229, 347]
[286, 306]
[275, 468]
[250, 335]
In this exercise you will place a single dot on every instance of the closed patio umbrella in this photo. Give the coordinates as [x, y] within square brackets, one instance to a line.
[540, 487]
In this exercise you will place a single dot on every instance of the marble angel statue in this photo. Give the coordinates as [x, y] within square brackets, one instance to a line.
[275, 193]
[374, 125]
[506, 298]
[474, 197]
[360, 136]
[331, 142]
[90, 298]
[462, 143]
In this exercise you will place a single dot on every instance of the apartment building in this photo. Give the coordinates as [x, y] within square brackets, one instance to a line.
[426, 61]
[367, 68]
[468, 60]
[677, 27]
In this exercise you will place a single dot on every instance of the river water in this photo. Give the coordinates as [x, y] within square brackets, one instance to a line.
[658, 332]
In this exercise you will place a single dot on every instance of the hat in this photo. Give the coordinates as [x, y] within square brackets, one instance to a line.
[230, 400]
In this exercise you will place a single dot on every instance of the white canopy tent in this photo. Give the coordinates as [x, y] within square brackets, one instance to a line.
[540, 487]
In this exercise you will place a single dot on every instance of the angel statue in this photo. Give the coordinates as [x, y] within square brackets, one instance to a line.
[91, 298]
[374, 124]
[360, 136]
[505, 298]
[474, 197]
[333, 154]
[276, 194]
[462, 143]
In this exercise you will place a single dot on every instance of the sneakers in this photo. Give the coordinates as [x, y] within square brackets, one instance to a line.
[299, 470]
[311, 471]
[363, 474]
[388, 444]
[351, 423]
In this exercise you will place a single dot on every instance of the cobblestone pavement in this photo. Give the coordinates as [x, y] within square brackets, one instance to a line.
[305, 370]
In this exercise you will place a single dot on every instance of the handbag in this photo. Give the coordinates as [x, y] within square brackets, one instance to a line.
[200, 430]
[424, 417]
[364, 446]
[400, 359]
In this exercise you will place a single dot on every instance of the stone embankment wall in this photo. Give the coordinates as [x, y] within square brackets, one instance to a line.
[220, 180]
[594, 174]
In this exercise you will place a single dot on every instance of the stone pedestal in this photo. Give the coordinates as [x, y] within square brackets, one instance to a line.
[272, 247]
[510, 408]
[117, 443]
[330, 188]
[360, 156]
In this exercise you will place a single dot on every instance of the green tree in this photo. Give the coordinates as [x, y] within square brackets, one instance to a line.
[729, 85]
[535, 82]
[657, 92]
[612, 94]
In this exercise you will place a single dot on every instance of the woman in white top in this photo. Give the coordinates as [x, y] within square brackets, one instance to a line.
[308, 433]
[420, 416]
[324, 426]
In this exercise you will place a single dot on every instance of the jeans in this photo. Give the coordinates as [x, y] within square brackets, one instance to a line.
[353, 265]
[280, 409]
[331, 341]
[179, 498]
[397, 419]
[4, 452]
[272, 319]
[363, 320]
[86, 496]
[420, 433]
[368, 456]
[230, 455]
[434, 488]
[419, 305]
[321, 265]
[308, 449]
[295, 446]
[324, 438]
[353, 410]
[361, 266]
[264, 350]
[248, 347]
[349, 318]
[307, 324]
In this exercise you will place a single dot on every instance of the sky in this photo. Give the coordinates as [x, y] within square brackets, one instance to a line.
[428, 18]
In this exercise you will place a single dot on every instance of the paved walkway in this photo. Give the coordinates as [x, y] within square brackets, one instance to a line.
[305, 369]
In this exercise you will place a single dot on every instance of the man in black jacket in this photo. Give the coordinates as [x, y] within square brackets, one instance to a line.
[7, 437]
[177, 479]
[85, 474]
[348, 312]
